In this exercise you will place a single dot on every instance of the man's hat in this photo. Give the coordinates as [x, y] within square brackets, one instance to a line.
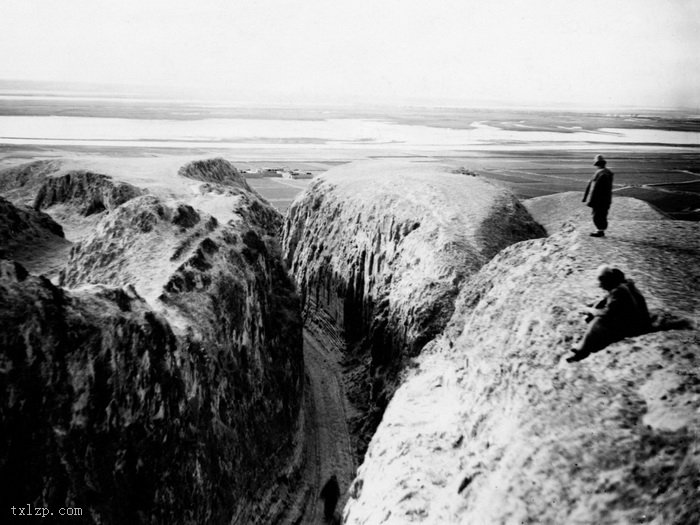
[598, 160]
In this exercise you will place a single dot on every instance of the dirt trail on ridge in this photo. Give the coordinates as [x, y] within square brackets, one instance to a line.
[327, 447]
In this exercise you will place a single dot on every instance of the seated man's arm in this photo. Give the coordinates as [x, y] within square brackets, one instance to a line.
[599, 308]
[617, 306]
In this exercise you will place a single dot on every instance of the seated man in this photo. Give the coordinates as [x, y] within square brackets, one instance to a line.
[622, 313]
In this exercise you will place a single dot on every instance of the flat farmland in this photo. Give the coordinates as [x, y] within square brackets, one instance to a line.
[668, 180]
[278, 191]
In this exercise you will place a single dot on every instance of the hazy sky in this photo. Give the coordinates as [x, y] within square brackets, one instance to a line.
[582, 52]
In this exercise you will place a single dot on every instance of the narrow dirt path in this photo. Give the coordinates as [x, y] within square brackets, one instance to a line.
[327, 446]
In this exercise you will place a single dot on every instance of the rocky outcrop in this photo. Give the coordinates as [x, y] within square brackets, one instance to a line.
[143, 229]
[88, 192]
[27, 236]
[20, 184]
[218, 171]
[165, 371]
[225, 283]
[379, 252]
[219, 180]
[74, 198]
[25, 224]
[492, 425]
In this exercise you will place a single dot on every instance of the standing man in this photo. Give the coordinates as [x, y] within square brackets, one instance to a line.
[330, 494]
[598, 195]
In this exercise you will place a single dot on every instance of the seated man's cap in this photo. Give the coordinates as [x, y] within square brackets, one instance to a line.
[598, 160]
[605, 271]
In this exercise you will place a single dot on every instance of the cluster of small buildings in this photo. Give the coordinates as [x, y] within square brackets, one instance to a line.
[285, 173]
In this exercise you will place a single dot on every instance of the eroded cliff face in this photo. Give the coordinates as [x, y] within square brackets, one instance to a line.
[379, 252]
[494, 426]
[163, 375]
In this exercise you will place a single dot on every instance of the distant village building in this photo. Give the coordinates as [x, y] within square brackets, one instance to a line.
[252, 173]
[296, 174]
[272, 172]
[285, 173]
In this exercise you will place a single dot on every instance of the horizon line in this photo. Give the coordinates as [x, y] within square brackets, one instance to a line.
[29, 88]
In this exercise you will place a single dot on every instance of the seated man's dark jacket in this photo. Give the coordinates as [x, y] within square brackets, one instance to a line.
[624, 311]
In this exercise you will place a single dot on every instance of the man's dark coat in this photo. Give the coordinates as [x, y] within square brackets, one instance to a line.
[598, 194]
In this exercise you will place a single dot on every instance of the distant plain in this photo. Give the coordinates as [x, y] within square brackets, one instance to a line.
[655, 155]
